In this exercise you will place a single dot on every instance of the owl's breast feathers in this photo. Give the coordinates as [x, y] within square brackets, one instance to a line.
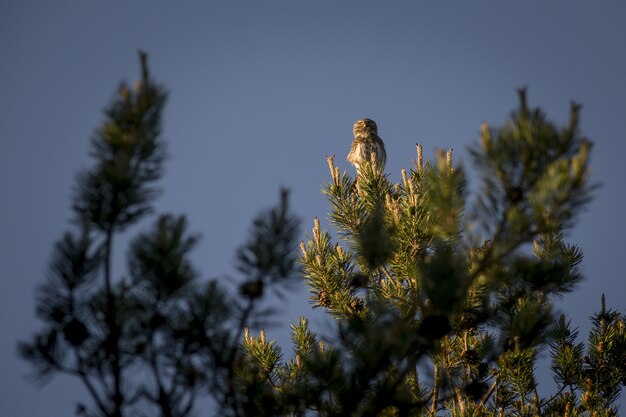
[363, 148]
[360, 151]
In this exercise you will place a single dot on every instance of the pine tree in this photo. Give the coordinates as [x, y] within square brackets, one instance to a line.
[153, 343]
[441, 307]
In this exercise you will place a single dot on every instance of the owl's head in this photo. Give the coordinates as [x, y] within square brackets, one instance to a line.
[364, 127]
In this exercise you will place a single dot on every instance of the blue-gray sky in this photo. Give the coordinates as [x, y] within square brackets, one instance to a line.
[260, 92]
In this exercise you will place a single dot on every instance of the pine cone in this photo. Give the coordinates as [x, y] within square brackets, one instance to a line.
[75, 332]
[357, 305]
[251, 289]
[470, 356]
[323, 298]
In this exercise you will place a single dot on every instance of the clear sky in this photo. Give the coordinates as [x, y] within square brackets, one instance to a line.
[260, 92]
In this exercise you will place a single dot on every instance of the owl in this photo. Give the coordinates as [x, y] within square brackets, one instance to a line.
[365, 144]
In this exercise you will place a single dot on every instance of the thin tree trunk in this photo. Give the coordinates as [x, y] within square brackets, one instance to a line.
[114, 331]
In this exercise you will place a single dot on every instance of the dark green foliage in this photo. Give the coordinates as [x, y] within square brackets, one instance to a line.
[157, 259]
[567, 355]
[444, 279]
[373, 243]
[129, 155]
[534, 176]
[605, 365]
[268, 256]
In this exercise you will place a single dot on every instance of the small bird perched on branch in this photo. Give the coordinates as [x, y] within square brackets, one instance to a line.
[367, 146]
